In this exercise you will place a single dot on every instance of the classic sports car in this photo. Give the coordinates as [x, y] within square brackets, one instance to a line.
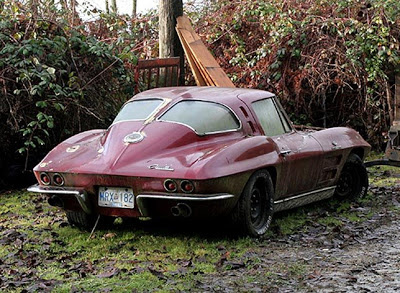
[201, 152]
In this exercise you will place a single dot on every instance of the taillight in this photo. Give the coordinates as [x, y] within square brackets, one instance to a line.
[58, 179]
[170, 185]
[187, 186]
[44, 178]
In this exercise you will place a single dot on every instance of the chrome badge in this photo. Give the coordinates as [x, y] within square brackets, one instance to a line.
[134, 137]
[162, 168]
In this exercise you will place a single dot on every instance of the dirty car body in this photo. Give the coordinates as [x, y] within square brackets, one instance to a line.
[198, 152]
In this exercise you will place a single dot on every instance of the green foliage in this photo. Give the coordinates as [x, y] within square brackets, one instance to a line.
[57, 79]
[331, 62]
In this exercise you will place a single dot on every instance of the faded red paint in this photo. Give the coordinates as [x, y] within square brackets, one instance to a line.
[217, 163]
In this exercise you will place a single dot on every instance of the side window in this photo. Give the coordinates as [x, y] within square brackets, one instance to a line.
[271, 119]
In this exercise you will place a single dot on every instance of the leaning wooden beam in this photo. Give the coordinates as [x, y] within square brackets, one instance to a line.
[202, 63]
[201, 77]
[192, 63]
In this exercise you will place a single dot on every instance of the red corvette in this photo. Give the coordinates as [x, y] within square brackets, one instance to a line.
[201, 152]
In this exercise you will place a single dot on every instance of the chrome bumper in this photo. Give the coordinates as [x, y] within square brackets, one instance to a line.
[80, 194]
[83, 200]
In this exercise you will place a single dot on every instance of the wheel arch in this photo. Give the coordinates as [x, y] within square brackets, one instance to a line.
[360, 152]
[272, 173]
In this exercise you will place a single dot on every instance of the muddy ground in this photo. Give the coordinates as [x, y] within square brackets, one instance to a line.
[360, 256]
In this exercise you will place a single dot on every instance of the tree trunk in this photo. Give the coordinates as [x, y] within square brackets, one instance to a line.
[134, 6]
[114, 6]
[169, 44]
[107, 7]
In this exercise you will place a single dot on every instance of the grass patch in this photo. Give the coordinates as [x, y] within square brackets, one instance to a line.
[38, 245]
[292, 221]
[330, 221]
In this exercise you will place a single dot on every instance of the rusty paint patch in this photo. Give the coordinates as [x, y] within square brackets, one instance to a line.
[72, 149]
[44, 164]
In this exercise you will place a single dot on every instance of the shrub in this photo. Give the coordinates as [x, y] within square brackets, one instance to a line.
[332, 63]
[57, 79]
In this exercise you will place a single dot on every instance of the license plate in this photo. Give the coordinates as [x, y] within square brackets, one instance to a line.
[116, 197]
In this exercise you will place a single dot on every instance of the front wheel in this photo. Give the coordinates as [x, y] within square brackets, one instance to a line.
[254, 210]
[353, 181]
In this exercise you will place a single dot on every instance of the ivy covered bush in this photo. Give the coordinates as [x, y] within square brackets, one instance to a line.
[57, 79]
[332, 63]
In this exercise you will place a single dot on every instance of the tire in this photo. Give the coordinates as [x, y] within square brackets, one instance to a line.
[353, 181]
[86, 222]
[253, 212]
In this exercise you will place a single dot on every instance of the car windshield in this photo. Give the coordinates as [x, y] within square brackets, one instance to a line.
[138, 110]
[203, 117]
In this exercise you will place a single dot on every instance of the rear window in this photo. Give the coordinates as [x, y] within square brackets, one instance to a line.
[203, 117]
[138, 110]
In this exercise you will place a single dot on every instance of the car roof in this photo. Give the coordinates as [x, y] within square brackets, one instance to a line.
[226, 96]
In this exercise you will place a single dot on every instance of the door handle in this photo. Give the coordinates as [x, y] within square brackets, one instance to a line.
[285, 152]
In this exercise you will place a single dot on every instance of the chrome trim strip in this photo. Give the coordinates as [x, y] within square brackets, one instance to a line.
[199, 198]
[206, 133]
[164, 102]
[303, 199]
[80, 195]
[52, 190]
[189, 197]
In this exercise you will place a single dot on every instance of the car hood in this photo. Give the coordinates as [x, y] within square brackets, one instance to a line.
[164, 149]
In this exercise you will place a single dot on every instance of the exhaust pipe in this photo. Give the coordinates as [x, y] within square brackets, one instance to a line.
[55, 201]
[176, 212]
[181, 209]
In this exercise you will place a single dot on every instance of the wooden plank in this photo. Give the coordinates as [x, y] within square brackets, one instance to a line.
[194, 65]
[203, 64]
[183, 22]
[186, 37]
[158, 62]
[219, 77]
[203, 56]
[196, 71]
[205, 60]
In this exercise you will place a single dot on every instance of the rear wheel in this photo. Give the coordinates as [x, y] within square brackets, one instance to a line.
[86, 222]
[254, 210]
[353, 181]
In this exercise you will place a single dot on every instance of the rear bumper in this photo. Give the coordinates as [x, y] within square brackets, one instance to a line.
[144, 200]
[148, 204]
[80, 194]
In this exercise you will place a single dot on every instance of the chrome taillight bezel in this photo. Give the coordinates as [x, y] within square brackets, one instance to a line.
[41, 175]
[183, 183]
[167, 182]
[58, 175]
